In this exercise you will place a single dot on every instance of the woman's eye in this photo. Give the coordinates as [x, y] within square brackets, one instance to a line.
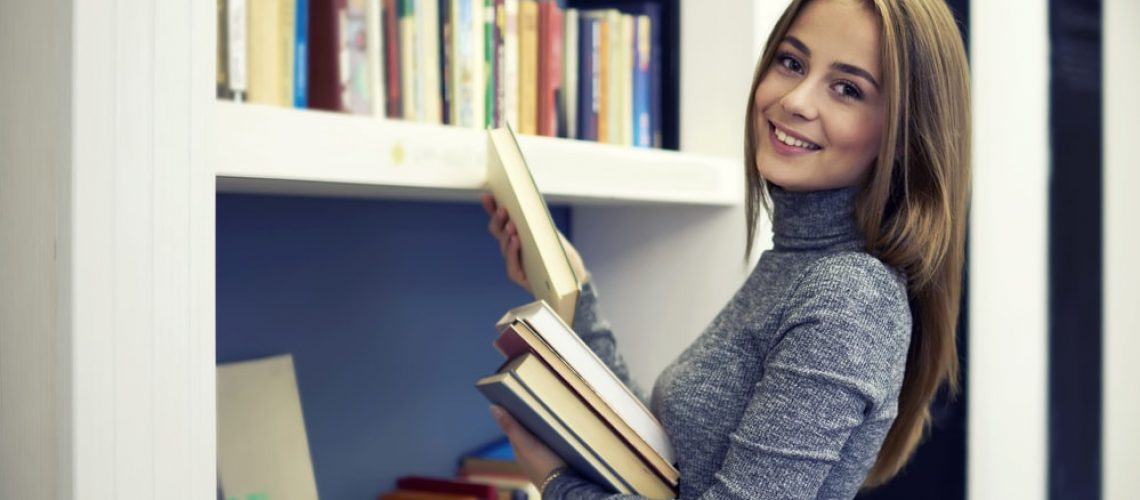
[790, 63]
[848, 90]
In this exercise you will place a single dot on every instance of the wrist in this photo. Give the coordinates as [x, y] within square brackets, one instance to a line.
[550, 478]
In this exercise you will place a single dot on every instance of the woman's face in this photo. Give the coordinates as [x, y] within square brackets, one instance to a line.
[820, 109]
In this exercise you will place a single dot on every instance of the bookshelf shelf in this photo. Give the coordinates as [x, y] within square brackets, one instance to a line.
[264, 149]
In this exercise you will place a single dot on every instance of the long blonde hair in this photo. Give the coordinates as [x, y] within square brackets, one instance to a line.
[911, 209]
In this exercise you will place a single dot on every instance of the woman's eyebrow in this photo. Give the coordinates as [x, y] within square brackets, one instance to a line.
[842, 67]
[855, 70]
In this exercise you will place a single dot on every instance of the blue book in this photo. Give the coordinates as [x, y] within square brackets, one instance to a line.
[642, 128]
[301, 55]
[589, 77]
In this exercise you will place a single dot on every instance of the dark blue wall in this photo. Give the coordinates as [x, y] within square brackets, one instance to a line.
[388, 309]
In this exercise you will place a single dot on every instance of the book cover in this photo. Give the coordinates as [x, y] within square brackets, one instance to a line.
[548, 269]
[598, 388]
[589, 433]
[262, 444]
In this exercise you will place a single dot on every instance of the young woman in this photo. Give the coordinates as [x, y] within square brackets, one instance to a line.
[816, 378]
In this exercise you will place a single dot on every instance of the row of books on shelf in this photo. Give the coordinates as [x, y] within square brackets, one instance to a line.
[544, 68]
[489, 473]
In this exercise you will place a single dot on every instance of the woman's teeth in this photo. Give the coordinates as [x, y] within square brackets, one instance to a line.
[792, 141]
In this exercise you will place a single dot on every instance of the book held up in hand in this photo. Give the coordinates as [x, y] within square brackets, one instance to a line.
[544, 260]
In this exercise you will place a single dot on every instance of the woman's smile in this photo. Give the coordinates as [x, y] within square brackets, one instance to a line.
[788, 143]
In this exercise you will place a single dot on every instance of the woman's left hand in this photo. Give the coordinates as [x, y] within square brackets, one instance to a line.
[536, 459]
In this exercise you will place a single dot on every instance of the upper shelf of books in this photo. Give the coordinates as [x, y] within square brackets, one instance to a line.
[266, 149]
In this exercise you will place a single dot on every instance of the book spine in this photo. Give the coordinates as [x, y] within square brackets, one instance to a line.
[554, 72]
[511, 63]
[489, 63]
[408, 59]
[644, 136]
[477, 62]
[543, 111]
[500, 62]
[587, 98]
[354, 78]
[604, 87]
[286, 47]
[301, 56]
[221, 90]
[392, 78]
[446, 90]
[324, 56]
[427, 16]
[374, 39]
[528, 66]
[237, 49]
[570, 59]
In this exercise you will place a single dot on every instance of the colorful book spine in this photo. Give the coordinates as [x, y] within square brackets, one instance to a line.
[550, 66]
[489, 63]
[392, 78]
[500, 61]
[589, 43]
[301, 55]
[643, 133]
[427, 37]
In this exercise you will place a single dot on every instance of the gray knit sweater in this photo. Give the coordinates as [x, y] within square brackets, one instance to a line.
[792, 388]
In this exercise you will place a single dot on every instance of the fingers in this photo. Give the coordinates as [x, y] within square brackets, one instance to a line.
[489, 204]
[514, 259]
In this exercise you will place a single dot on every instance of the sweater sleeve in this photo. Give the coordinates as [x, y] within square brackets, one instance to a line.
[596, 332]
[836, 360]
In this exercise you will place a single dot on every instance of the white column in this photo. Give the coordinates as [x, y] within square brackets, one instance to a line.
[1008, 345]
[1121, 395]
[35, 130]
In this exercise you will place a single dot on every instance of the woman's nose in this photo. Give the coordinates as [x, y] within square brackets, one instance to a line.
[798, 102]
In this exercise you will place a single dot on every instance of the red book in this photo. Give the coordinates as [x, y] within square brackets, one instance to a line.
[324, 55]
[392, 95]
[549, 66]
[450, 486]
[554, 71]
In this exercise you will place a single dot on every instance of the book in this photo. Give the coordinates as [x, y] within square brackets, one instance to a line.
[544, 260]
[517, 338]
[542, 403]
[528, 67]
[262, 444]
[570, 59]
[401, 494]
[447, 486]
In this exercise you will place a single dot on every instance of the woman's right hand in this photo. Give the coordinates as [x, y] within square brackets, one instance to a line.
[507, 234]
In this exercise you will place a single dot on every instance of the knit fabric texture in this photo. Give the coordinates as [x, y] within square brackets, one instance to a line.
[791, 389]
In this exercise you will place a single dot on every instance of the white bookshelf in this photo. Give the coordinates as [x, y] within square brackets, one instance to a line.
[108, 225]
[265, 149]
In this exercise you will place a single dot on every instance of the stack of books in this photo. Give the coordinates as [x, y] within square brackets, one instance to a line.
[552, 383]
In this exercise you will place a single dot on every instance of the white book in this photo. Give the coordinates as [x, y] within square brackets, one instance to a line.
[375, 39]
[510, 72]
[409, 67]
[593, 371]
[570, 72]
[427, 17]
[236, 44]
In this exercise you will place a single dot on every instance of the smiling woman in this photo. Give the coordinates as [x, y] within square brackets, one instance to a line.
[815, 379]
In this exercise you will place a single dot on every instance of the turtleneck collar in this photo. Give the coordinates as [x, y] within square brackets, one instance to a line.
[814, 220]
